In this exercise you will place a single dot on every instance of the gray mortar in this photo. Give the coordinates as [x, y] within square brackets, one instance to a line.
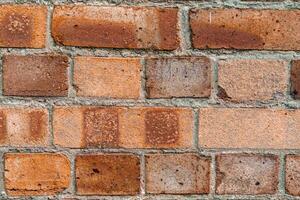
[194, 103]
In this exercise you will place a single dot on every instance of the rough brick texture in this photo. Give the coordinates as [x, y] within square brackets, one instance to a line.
[178, 77]
[108, 77]
[149, 99]
[35, 75]
[36, 173]
[107, 174]
[292, 170]
[24, 127]
[295, 79]
[23, 26]
[116, 27]
[246, 80]
[177, 174]
[246, 174]
[245, 29]
[79, 127]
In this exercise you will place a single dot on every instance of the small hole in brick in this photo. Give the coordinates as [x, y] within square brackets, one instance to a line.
[257, 183]
[96, 170]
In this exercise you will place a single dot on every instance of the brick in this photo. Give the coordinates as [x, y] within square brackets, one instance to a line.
[23, 26]
[295, 79]
[292, 171]
[24, 127]
[186, 173]
[249, 128]
[108, 77]
[28, 174]
[138, 127]
[178, 77]
[245, 29]
[252, 79]
[35, 75]
[246, 174]
[107, 174]
[116, 27]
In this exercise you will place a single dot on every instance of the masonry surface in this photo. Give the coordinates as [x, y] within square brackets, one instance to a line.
[149, 99]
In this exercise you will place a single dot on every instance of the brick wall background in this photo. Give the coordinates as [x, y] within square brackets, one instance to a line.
[149, 99]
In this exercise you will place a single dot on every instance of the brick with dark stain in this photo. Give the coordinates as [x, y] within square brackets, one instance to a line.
[161, 127]
[35, 75]
[107, 174]
[101, 127]
[116, 27]
[245, 29]
[36, 119]
[3, 127]
[295, 79]
[23, 26]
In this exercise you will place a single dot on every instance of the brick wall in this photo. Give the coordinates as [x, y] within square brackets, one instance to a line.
[149, 99]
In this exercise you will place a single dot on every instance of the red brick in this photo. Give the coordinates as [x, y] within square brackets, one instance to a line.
[107, 174]
[246, 174]
[178, 77]
[295, 79]
[245, 29]
[131, 127]
[24, 127]
[116, 27]
[252, 79]
[35, 75]
[177, 174]
[249, 128]
[28, 174]
[292, 171]
[108, 77]
[23, 26]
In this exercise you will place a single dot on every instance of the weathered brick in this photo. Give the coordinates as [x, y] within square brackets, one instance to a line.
[23, 127]
[107, 174]
[252, 79]
[28, 174]
[23, 26]
[295, 79]
[245, 29]
[139, 127]
[186, 173]
[249, 128]
[116, 27]
[246, 174]
[178, 77]
[108, 77]
[35, 75]
[292, 172]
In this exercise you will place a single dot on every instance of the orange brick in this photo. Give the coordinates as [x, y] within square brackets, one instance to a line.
[292, 170]
[177, 174]
[108, 174]
[35, 75]
[246, 174]
[116, 27]
[28, 174]
[23, 26]
[249, 128]
[23, 127]
[108, 77]
[245, 29]
[248, 79]
[139, 127]
[178, 77]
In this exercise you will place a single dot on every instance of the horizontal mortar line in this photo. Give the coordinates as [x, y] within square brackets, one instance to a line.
[140, 151]
[194, 3]
[109, 52]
